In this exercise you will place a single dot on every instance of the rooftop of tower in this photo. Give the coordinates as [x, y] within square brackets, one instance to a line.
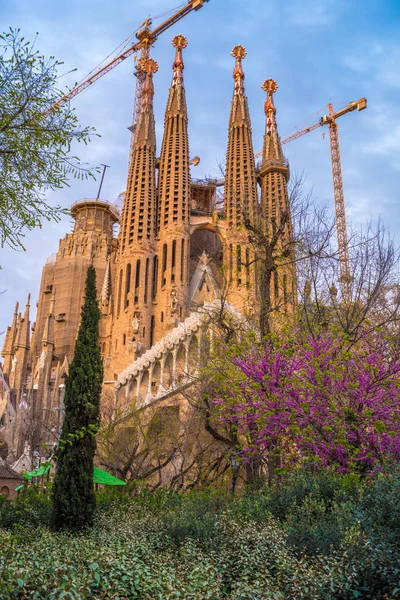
[105, 205]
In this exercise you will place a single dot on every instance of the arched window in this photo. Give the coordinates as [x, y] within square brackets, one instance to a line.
[182, 258]
[137, 281]
[119, 292]
[247, 267]
[146, 280]
[155, 277]
[173, 261]
[127, 284]
[164, 265]
[239, 265]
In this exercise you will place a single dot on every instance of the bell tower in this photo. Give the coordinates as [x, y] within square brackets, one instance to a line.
[135, 261]
[171, 278]
[240, 200]
[275, 206]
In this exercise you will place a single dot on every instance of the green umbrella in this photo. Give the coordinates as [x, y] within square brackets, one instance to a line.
[38, 472]
[100, 476]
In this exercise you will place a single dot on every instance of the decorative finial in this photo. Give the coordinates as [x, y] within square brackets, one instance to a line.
[238, 52]
[149, 67]
[270, 86]
[179, 42]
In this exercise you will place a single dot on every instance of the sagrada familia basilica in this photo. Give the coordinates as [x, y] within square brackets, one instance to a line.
[178, 255]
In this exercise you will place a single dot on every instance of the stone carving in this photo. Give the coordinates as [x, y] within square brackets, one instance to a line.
[135, 323]
[173, 300]
[176, 337]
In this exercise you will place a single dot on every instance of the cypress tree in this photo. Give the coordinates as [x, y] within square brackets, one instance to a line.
[73, 490]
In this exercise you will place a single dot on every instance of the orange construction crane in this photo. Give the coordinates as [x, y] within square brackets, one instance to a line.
[146, 38]
[340, 212]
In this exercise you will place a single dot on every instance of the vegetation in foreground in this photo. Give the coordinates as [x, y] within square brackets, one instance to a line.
[310, 536]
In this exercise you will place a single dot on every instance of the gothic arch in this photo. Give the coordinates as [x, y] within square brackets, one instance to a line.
[169, 375]
[144, 387]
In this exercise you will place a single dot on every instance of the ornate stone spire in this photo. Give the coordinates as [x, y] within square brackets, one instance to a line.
[20, 358]
[275, 207]
[48, 332]
[23, 337]
[240, 181]
[274, 173]
[272, 149]
[179, 42]
[137, 222]
[9, 342]
[174, 174]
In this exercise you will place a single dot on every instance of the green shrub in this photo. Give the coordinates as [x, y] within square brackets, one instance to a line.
[379, 508]
[30, 508]
[330, 537]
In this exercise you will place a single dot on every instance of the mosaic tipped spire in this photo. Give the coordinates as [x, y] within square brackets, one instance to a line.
[179, 42]
[239, 53]
[240, 180]
[272, 150]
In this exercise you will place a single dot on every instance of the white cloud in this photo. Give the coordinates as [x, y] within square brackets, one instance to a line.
[311, 13]
[377, 59]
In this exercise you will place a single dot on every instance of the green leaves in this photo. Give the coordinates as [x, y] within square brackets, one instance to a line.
[35, 139]
[73, 493]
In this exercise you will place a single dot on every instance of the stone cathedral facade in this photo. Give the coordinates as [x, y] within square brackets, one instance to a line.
[177, 252]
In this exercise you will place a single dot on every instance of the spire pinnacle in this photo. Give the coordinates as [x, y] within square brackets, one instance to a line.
[270, 86]
[272, 152]
[179, 42]
[239, 52]
[48, 334]
[150, 67]
[9, 341]
[23, 329]
[240, 180]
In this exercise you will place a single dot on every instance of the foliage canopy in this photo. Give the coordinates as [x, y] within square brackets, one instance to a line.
[73, 493]
[35, 141]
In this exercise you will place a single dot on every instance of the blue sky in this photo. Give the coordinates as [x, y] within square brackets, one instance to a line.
[317, 50]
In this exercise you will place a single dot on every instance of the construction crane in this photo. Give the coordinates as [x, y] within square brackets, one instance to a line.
[340, 212]
[146, 39]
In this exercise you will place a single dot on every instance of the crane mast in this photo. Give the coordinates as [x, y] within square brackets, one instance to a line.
[340, 212]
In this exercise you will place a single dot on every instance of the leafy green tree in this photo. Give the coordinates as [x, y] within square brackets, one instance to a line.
[73, 492]
[35, 142]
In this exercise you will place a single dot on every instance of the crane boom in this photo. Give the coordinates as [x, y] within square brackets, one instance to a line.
[360, 105]
[143, 39]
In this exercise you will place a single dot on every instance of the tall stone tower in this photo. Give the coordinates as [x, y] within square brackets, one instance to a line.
[64, 274]
[136, 261]
[21, 352]
[241, 203]
[275, 206]
[171, 284]
[36, 363]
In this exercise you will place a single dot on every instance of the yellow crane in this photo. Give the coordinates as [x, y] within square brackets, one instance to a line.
[146, 38]
[340, 212]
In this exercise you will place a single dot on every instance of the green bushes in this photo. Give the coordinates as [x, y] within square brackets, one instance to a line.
[31, 508]
[312, 537]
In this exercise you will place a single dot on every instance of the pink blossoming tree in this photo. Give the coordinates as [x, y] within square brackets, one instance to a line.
[315, 402]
